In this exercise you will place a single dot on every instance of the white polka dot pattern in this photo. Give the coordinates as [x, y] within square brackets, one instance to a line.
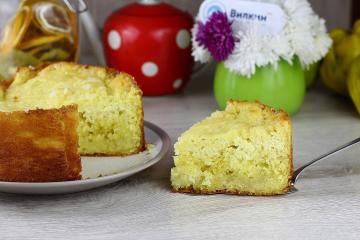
[177, 84]
[149, 69]
[114, 40]
[183, 39]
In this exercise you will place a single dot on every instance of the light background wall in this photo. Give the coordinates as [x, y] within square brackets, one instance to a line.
[336, 12]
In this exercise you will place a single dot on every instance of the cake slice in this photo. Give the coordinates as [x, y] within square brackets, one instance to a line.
[109, 104]
[245, 150]
[39, 145]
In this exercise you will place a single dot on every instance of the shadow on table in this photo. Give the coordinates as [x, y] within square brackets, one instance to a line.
[98, 194]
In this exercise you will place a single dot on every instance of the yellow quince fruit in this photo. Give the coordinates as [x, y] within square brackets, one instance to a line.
[336, 65]
[353, 82]
[357, 27]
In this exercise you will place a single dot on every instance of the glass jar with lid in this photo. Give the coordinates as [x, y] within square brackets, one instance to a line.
[36, 32]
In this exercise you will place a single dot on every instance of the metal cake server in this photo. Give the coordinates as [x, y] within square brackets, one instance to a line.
[301, 169]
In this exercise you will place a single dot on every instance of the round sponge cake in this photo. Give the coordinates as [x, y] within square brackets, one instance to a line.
[109, 104]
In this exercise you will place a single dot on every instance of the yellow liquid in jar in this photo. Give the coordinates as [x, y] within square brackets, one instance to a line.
[41, 32]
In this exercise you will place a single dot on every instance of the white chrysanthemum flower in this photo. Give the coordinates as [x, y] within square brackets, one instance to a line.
[302, 42]
[322, 41]
[254, 49]
[199, 53]
[298, 11]
[304, 36]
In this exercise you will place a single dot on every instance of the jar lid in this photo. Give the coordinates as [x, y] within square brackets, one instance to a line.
[150, 9]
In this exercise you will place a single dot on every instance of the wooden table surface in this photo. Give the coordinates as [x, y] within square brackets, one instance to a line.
[142, 207]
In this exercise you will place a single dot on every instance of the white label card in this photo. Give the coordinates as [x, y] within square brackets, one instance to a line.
[270, 17]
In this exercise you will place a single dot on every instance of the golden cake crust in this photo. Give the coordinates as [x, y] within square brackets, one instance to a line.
[39, 145]
[191, 190]
[110, 72]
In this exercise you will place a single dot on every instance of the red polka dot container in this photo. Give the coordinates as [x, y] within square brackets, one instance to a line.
[151, 41]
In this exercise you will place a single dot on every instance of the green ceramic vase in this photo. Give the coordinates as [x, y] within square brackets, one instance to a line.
[281, 88]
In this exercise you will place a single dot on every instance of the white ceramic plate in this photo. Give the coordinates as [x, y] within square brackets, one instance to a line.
[100, 171]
